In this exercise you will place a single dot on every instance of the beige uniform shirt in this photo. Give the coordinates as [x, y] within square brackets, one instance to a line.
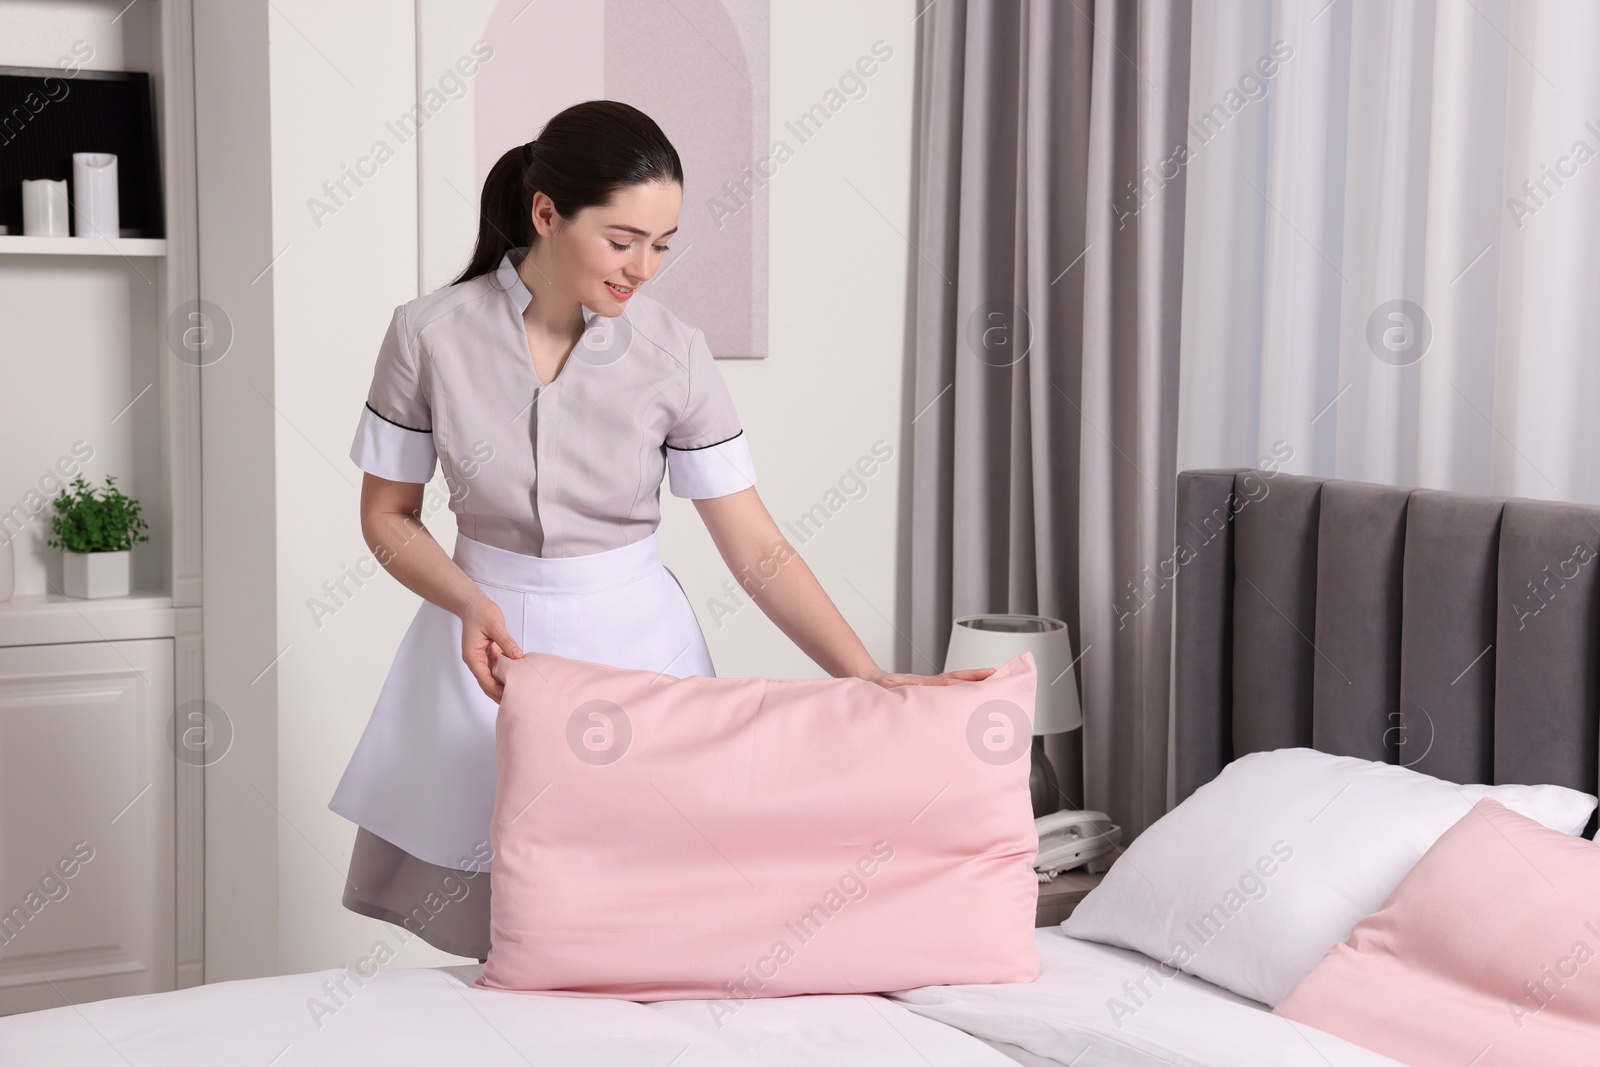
[562, 468]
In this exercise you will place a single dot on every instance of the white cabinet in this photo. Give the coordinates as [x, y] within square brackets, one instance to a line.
[87, 793]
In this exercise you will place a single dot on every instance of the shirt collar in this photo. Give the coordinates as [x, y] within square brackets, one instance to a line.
[509, 282]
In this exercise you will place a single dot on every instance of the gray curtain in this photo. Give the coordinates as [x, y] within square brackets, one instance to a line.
[1049, 261]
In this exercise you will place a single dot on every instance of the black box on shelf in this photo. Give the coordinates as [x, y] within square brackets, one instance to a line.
[47, 114]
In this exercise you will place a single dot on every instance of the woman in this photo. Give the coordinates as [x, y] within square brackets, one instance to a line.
[556, 396]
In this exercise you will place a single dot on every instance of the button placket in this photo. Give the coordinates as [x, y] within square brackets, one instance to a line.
[541, 397]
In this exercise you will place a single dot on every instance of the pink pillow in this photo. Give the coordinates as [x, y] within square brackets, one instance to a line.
[1487, 952]
[661, 838]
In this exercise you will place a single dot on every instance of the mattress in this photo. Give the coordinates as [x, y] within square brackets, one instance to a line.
[432, 1015]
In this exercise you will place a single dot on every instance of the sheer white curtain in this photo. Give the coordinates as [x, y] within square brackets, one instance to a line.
[1392, 242]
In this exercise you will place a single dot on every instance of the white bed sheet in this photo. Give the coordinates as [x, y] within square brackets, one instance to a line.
[1067, 1016]
[433, 1015]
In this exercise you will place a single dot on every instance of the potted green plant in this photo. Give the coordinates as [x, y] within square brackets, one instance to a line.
[96, 535]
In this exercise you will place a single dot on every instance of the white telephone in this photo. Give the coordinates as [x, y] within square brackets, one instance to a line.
[1069, 839]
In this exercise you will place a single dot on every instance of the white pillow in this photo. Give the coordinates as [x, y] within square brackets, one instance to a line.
[1254, 877]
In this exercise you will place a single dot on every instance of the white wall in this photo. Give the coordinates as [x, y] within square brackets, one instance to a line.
[834, 384]
[334, 286]
[836, 380]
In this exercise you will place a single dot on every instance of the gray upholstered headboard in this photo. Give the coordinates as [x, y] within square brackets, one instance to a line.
[1455, 634]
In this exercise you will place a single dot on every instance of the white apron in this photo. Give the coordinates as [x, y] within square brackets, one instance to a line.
[423, 774]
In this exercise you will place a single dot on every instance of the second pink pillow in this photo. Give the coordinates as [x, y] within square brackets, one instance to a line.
[660, 838]
[1488, 953]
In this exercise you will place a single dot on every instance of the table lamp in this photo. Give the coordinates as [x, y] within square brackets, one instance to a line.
[991, 640]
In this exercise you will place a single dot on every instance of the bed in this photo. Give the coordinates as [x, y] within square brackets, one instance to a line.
[1475, 642]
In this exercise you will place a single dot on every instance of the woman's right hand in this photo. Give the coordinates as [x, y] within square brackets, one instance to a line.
[484, 639]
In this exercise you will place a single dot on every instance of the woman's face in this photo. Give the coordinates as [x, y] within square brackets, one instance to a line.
[620, 244]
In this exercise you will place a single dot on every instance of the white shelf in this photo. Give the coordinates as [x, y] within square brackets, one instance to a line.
[53, 619]
[13, 244]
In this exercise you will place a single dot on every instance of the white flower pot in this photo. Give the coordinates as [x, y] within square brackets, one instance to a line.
[95, 574]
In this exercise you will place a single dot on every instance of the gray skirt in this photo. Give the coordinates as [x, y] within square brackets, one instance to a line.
[446, 907]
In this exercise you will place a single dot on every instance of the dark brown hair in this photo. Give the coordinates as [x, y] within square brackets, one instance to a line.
[580, 159]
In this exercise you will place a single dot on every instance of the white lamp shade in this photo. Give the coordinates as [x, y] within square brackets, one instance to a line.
[991, 640]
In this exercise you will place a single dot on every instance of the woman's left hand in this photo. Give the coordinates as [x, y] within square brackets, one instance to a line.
[968, 674]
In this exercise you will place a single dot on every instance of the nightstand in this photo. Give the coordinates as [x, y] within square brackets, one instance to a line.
[1058, 897]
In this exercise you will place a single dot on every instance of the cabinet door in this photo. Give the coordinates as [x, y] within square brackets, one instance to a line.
[86, 822]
